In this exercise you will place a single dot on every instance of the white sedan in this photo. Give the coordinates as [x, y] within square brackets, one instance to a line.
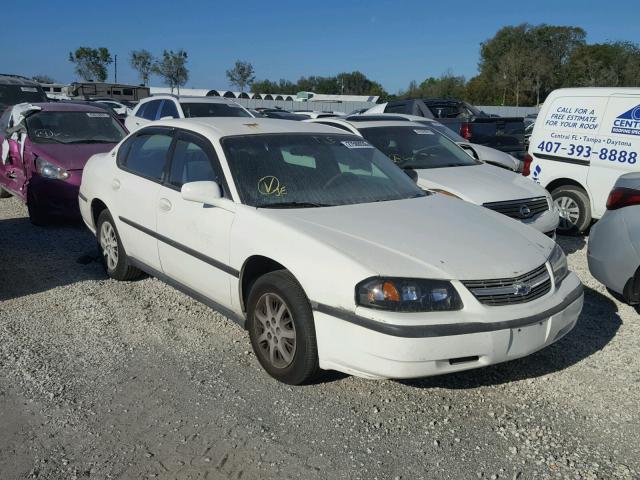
[324, 250]
[441, 165]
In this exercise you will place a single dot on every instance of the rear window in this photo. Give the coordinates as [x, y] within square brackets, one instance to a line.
[203, 109]
[417, 147]
[14, 94]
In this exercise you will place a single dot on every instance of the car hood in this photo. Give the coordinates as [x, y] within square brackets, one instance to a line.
[434, 236]
[480, 183]
[493, 156]
[70, 157]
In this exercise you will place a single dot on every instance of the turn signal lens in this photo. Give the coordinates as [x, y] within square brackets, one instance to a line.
[390, 292]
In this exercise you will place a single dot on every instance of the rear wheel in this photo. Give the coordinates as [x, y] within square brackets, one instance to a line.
[281, 328]
[114, 258]
[574, 208]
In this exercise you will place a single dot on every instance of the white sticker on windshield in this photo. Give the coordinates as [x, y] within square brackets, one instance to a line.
[356, 144]
[29, 89]
[423, 132]
[97, 115]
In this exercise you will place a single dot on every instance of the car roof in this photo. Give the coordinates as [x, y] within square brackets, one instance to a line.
[67, 107]
[9, 79]
[363, 122]
[219, 127]
[189, 98]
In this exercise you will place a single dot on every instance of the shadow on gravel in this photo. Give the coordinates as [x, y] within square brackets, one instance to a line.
[35, 259]
[571, 244]
[596, 326]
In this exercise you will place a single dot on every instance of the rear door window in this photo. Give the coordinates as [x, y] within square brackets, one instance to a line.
[169, 109]
[151, 111]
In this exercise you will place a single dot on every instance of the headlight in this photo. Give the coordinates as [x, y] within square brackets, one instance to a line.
[558, 261]
[49, 170]
[408, 295]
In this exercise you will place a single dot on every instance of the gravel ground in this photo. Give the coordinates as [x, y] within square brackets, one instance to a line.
[101, 379]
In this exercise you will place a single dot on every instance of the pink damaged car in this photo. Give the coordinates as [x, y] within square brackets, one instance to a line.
[44, 147]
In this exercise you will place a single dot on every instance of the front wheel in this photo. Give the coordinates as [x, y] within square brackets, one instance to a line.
[281, 328]
[4, 193]
[114, 258]
[37, 216]
[574, 209]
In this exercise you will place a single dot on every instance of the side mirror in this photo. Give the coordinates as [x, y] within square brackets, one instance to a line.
[206, 192]
[412, 174]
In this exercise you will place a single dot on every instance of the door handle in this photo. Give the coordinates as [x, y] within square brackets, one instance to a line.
[165, 204]
[115, 184]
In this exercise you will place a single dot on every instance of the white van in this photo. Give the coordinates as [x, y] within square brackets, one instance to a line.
[583, 140]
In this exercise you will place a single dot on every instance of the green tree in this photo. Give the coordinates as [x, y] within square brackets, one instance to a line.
[142, 61]
[43, 79]
[604, 64]
[241, 74]
[172, 67]
[447, 85]
[91, 63]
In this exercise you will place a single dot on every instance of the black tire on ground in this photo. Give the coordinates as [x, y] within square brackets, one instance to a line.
[578, 218]
[298, 317]
[120, 269]
[4, 193]
[36, 215]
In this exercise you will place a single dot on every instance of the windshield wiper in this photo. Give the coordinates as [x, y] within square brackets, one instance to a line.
[293, 205]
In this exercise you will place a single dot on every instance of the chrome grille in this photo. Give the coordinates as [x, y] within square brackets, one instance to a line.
[509, 291]
[520, 209]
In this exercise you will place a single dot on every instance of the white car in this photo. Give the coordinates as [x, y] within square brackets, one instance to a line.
[322, 248]
[442, 166]
[166, 107]
[582, 141]
[120, 108]
[614, 242]
[480, 152]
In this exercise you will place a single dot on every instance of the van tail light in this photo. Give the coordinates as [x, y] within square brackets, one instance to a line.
[526, 168]
[623, 197]
[465, 131]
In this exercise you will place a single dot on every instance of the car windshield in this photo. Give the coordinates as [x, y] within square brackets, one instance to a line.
[74, 127]
[203, 109]
[417, 147]
[14, 94]
[447, 132]
[313, 170]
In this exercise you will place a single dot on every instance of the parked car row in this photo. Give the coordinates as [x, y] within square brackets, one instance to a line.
[435, 254]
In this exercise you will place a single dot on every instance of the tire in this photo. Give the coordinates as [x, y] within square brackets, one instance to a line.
[4, 193]
[574, 208]
[114, 257]
[284, 344]
[36, 214]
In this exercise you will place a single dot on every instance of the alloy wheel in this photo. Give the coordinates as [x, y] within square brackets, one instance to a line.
[276, 332]
[109, 244]
[569, 212]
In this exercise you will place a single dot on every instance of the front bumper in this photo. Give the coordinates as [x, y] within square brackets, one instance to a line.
[57, 197]
[474, 337]
[546, 222]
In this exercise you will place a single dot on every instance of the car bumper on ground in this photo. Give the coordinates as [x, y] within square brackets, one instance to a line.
[57, 197]
[477, 338]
